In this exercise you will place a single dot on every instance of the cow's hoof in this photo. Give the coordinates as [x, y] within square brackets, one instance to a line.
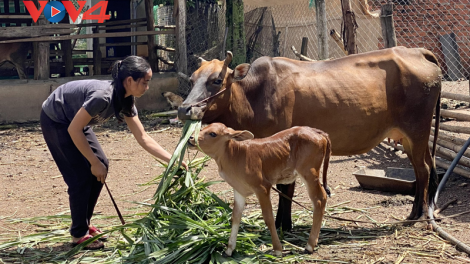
[278, 253]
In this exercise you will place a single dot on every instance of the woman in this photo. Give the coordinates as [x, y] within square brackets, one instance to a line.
[66, 117]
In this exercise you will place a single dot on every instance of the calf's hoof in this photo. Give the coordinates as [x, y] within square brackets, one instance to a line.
[278, 253]
[309, 249]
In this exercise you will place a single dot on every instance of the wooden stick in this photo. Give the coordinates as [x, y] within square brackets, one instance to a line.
[140, 24]
[455, 129]
[99, 35]
[302, 57]
[339, 41]
[165, 27]
[455, 114]
[165, 48]
[458, 97]
[451, 146]
[444, 206]
[166, 61]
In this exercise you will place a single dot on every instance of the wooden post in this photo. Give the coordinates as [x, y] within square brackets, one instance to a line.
[349, 27]
[236, 33]
[41, 56]
[322, 30]
[152, 58]
[388, 28]
[180, 17]
[96, 53]
[304, 48]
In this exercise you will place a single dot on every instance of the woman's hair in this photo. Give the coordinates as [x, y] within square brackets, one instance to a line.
[134, 66]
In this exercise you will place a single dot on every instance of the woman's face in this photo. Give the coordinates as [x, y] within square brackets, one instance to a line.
[139, 87]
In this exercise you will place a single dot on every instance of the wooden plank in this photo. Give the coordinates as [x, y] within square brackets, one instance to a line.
[322, 30]
[388, 28]
[122, 44]
[349, 27]
[455, 129]
[29, 32]
[152, 56]
[66, 46]
[15, 17]
[85, 36]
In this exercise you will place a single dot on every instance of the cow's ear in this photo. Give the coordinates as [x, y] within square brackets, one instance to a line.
[241, 71]
[200, 60]
[242, 135]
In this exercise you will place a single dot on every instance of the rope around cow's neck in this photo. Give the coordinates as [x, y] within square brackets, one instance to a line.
[210, 97]
[369, 222]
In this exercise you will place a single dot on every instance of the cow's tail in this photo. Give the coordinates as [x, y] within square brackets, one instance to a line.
[326, 162]
[433, 178]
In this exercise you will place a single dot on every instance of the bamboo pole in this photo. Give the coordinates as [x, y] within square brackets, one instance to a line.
[455, 114]
[100, 35]
[454, 147]
[455, 129]
[453, 96]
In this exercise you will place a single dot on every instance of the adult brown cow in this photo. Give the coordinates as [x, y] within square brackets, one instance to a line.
[16, 53]
[358, 100]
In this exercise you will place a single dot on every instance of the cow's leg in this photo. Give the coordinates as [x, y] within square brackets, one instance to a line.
[267, 210]
[238, 206]
[284, 210]
[20, 70]
[417, 151]
[318, 197]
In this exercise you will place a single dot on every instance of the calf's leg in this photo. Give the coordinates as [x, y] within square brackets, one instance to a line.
[238, 206]
[318, 196]
[267, 210]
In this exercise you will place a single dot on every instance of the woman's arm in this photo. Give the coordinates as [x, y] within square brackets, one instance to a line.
[148, 143]
[75, 129]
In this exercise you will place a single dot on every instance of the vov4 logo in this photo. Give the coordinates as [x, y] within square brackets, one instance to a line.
[55, 11]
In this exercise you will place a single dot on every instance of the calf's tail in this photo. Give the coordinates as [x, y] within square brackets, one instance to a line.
[326, 162]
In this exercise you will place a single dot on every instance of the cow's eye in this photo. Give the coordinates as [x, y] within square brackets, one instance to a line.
[218, 82]
[212, 134]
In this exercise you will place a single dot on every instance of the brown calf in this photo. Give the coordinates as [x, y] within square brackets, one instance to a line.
[15, 53]
[254, 166]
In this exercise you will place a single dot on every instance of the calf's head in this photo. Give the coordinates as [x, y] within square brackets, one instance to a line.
[213, 138]
[210, 78]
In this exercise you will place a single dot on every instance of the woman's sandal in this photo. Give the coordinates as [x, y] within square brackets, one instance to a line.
[96, 231]
[92, 246]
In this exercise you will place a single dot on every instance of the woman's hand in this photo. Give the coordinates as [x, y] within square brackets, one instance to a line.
[99, 170]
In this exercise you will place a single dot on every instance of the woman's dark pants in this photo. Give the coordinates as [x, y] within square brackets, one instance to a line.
[83, 187]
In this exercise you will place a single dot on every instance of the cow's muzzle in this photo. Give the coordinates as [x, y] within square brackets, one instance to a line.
[189, 112]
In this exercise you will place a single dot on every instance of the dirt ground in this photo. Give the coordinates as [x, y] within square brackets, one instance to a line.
[31, 185]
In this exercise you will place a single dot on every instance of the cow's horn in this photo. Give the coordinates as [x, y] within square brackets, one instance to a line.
[227, 61]
[228, 58]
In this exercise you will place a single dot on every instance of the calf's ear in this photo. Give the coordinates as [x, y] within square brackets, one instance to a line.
[242, 135]
[241, 71]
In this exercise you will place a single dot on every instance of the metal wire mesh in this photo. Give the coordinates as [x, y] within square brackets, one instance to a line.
[273, 27]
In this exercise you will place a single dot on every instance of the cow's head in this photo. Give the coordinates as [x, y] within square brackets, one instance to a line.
[214, 137]
[210, 85]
